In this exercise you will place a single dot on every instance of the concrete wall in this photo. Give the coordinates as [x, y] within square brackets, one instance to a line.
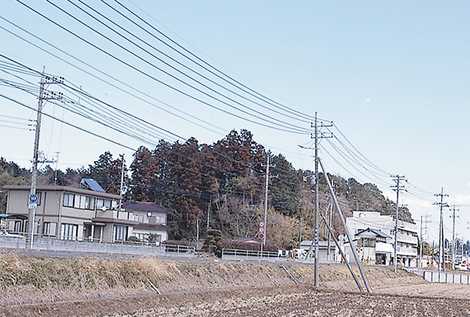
[55, 245]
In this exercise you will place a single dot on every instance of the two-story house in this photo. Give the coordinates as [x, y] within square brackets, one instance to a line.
[151, 220]
[407, 235]
[71, 213]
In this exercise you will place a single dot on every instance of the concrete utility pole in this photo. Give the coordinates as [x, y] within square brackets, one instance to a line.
[397, 188]
[348, 234]
[453, 250]
[209, 214]
[420, 242]
[266, 189]
[43, 96]
[316, 218]
[441, 205]
[423, 229]
[121, 187]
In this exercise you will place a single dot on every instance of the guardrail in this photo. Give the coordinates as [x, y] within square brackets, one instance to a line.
[57, 245]
[239, 254]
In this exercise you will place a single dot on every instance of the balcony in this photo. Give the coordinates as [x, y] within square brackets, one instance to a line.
[407, 238]
[115, 215]
[152, 220]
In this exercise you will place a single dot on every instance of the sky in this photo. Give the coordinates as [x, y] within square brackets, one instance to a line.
[393, 76]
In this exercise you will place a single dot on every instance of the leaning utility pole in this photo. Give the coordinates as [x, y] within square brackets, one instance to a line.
[397, 188]
[266, 189]
[43, 96]
[453, 250]
[346, 229]
[441, 205]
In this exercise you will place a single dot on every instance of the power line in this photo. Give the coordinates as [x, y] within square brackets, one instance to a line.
[153, 104]
[372, 164]
[203, 63]
[67, 123]
[156, 79]
[83, 93]
[172, 59]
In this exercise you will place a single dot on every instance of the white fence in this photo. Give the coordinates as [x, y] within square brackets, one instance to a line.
[56, 245]
[253, 255]
[443, 277]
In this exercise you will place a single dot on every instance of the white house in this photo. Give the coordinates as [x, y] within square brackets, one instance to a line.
[407, 236]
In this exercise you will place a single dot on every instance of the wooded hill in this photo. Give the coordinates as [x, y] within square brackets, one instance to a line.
[225, 180]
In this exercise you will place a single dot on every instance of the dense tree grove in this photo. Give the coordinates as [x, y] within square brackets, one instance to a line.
[223, 181]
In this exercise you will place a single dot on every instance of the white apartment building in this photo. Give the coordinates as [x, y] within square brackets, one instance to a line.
[407, 237]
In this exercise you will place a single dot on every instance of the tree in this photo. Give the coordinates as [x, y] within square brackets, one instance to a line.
[107, 172]
[144, 170]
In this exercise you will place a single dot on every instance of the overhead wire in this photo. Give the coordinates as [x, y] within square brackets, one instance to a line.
[68, 123]
[172, 59]
[205, 124]
[291, 130]
[203, 63]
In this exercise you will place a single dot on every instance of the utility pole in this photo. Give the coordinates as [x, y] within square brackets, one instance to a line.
[397, 188]
[420, 242]
[265, 221]
[197, 233]
[316, 136]
[441, 205]
[121, 187]
[43, 96]
[423, 230]
[56, 167]
[209, 214]
[316, 218]
[453, 250]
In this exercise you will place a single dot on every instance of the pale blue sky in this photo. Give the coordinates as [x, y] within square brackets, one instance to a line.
[392, 75]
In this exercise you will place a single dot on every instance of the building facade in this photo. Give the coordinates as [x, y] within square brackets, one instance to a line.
[70, 213]
[407, 236]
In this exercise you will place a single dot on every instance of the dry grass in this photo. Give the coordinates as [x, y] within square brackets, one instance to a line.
[27, 279]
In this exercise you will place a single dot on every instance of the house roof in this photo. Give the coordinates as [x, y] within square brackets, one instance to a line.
[376, 232]
[61, 188]
[144, 206]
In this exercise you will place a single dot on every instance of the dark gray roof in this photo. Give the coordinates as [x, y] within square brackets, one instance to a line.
[377, 232]
[144, 206]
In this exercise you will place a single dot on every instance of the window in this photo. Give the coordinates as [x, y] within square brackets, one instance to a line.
[48, 228]
[69, 200]
[99, 203]
[68, 231]
[107, 204]
[80, 201]
[39, 194]
[120, 232]
[18, 226]
[90, 203]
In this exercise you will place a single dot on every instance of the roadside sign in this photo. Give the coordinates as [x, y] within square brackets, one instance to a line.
[33, 201]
